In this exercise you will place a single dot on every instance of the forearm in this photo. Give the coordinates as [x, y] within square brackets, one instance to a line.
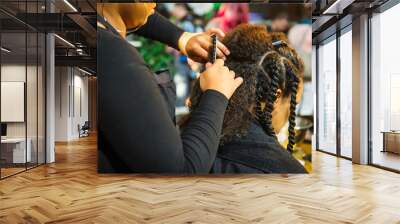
[201, 135]
[161, 29]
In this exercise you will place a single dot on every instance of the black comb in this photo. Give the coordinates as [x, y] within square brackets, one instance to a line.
[213, 50]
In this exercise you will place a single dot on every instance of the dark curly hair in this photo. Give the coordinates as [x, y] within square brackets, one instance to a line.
[267, 63]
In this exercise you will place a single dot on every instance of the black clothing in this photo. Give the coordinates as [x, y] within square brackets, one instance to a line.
[135, 131]
[257, 152]
[161, 29]
[168, 90]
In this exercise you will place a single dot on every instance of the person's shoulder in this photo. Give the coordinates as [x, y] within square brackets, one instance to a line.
[110, 41]
[115, 49]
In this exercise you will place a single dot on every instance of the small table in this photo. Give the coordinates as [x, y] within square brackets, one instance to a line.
[17, 150]
[391, 141]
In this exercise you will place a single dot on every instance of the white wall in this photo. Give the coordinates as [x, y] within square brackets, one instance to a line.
[10, 73]
[33, 127]
[71, 94]
[16, 73]
[62, 81]
[80, 111]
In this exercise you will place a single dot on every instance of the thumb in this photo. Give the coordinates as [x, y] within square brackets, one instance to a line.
[208, 65]
[237, 82]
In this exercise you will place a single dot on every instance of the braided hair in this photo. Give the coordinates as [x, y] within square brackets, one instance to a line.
[276, 72]
[292, 110]
[265, 68]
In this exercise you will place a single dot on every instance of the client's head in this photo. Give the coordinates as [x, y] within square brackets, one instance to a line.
[272, 74]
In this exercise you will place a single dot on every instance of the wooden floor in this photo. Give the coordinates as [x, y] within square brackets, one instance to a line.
[5, 172]
[387, 159]
[70, 191]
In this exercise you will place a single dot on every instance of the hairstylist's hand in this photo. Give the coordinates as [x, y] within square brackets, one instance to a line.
[196, 45]
[218, 77]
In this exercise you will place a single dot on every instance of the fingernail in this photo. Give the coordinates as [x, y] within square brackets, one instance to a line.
[228, 52]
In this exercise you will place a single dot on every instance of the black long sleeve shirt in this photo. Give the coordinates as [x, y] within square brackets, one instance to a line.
[161, 29]
[135, 132]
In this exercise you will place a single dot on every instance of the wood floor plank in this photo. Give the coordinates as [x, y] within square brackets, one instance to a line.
[71, 191]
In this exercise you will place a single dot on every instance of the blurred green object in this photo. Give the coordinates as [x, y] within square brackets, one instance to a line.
[154, 54]
[211, 14]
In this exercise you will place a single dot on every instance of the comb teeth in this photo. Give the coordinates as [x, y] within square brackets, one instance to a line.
[213, 50]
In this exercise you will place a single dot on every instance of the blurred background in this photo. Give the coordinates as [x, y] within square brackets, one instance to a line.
[292, 19]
